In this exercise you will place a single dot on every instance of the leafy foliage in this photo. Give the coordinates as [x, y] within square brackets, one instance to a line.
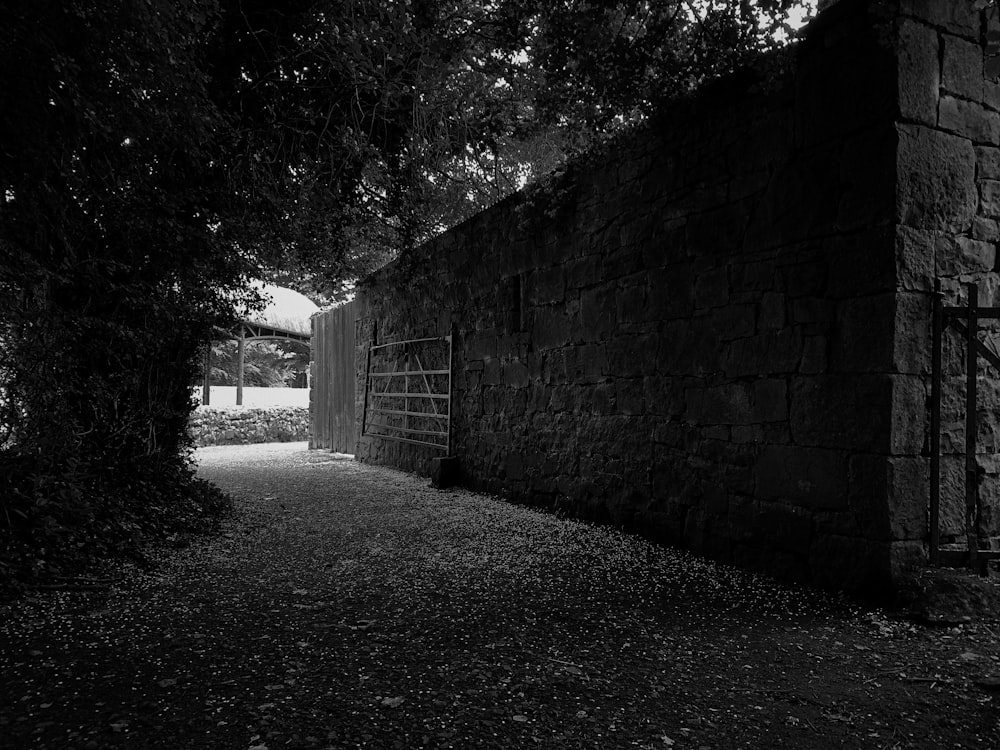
[385, 122]
[112, 269]
[266, 363]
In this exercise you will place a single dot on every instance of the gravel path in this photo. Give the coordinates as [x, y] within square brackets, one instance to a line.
[352, 606]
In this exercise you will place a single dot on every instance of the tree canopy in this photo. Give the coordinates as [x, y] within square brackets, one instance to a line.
[157, 154]
[381, 123]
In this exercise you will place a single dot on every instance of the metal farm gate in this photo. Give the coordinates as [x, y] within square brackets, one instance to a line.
[333, 380]
[408, 392]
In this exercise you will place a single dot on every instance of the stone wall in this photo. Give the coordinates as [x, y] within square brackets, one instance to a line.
[716, 333]
[948, 206]
[240, 425]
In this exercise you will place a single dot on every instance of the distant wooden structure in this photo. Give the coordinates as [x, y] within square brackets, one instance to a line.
[285, 318]
[332, 394]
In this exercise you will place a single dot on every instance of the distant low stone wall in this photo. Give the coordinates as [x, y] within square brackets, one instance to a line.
[241, 426]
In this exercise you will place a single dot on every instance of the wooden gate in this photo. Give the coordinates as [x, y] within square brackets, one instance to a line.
[333, 379]
[966, 321]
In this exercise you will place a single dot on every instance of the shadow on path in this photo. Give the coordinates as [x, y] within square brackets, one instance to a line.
[353, 606]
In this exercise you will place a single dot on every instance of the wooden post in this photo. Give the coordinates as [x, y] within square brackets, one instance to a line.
[971, 427]
[935, 488]
[364, 404]
[240, 357]
[206, 386]
[451, 366]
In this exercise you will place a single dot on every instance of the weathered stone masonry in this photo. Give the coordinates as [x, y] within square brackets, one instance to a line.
[717, 334]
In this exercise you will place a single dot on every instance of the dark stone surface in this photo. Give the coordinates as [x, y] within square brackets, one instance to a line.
[717, 333]
[946, 596]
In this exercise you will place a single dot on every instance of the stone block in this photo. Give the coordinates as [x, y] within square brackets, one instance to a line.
[969, 120]
[813, 310]
[888, 496]
[957, 256]
[987, 163]
[800, 203]
[670, 292]
[602, 398]
[631, 357]
[848, 412]
[479, 345]
[675, 338]
[631, 304]
[771, 314]
[915, 257]
[770, 353]
[629, 396]
[444, 472]
[952, 506]
[911, 352]
[582, 272]
[515, 374]
[908, 497]
[867, 174]
[664, 396]
[545, 286]
[738, 478]
[733, 321]
[806, 278]
[513, 470]
[909, 415]
[711, 288]
[597, 312]
[784, 351]
[744, 514]
[770, 400]
[919, 72]
[985, 230]
[962, 67]
[748, 185]
[747, 434]
[808, 477]
[586, 363]
[863, 338]
[786, 527]
[621, 262]
[991, 87]
[635, 234]
[960, 18]
[752, 277]
[936, 174]
[727, 404]
[860, 264]
[719, 231]
[989, 198]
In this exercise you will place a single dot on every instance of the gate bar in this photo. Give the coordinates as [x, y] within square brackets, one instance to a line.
[451, 366]
[935, 510]
[971, 428]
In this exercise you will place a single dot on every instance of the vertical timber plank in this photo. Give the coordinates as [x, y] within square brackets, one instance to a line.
[971, 428]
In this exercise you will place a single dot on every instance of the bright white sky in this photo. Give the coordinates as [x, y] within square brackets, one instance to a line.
[798, 17]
